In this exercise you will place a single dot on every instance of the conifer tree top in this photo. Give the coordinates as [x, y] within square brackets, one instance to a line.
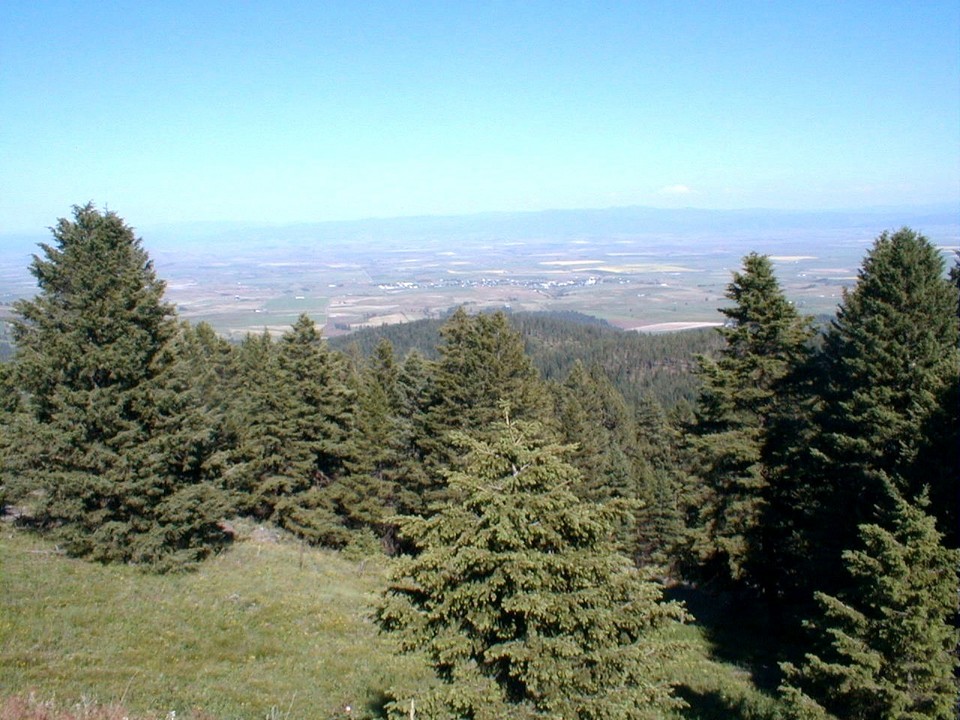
[519, 598]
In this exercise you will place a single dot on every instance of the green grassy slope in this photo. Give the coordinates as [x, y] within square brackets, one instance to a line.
[264, 630]
[249, 632]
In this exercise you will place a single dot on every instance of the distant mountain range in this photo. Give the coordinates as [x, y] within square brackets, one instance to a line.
[568, 224]
[940, 222]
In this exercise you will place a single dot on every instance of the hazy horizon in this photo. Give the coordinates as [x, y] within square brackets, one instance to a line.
[637, 219]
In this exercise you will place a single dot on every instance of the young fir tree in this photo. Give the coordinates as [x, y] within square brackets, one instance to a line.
[659, 521]
[415, 487]
[264, 460]
[888, 643]
[624, 453]
[323, 400]
[97, 360]
[367, 491]
[482, 365]
[765, 338]
[520, 601]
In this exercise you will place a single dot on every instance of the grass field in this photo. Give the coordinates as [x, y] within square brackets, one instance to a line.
[252, 632]
[265, 630]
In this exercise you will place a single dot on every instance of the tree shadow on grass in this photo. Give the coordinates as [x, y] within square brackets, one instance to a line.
[740, 633]
[715, 705]
[377, 703]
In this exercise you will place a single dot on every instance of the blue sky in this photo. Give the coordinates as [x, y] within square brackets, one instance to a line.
[285, 112]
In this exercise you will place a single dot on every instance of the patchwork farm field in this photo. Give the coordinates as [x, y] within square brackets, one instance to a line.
[636, 268]
[669, 288]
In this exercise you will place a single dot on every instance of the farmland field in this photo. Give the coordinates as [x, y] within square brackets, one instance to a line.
[635, 271]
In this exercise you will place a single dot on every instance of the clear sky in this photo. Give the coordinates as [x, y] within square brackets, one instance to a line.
[278, 111]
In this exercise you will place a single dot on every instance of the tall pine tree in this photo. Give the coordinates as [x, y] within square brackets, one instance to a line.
[660, 528]
[891, 360]
[97, 359]
[765, 339]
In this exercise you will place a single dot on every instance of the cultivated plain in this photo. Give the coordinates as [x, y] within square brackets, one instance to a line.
[638, 268]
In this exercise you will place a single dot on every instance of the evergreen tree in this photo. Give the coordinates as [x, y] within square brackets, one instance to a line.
[617, 458]
[9, 407]
[291, 421]
[368, 489]
[891, 360]
[482, 365]
[888, 643]
[263, 461]
[593, 416]
[765, 339]
[659, 524]
[938, 461]
[783, 550]
[519, 600]
[323, 401]
[187, 405]
[97, 360]
[892, 350]
[416, 489]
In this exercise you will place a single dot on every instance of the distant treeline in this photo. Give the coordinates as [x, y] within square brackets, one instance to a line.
[657, 366]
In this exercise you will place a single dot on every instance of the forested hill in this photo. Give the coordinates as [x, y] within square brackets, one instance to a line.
[661, 366]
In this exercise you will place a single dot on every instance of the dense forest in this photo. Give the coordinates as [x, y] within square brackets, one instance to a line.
[544, 482]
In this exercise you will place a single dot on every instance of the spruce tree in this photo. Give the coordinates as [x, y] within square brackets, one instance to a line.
[892, 350]
[187, 405]
[416, 489]
[9, 407]
[519, 600]
[938, 461]
[617, 459]
[593, 415]
[97, 360]
[264, 461]
[891, 359]
[765, 339]
[659, 521]
[367, 491]
[322, 409]
[482, 365]
[290, 423]
[887, 643]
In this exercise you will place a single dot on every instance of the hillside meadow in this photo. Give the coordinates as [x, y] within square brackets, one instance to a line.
[266, 629]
